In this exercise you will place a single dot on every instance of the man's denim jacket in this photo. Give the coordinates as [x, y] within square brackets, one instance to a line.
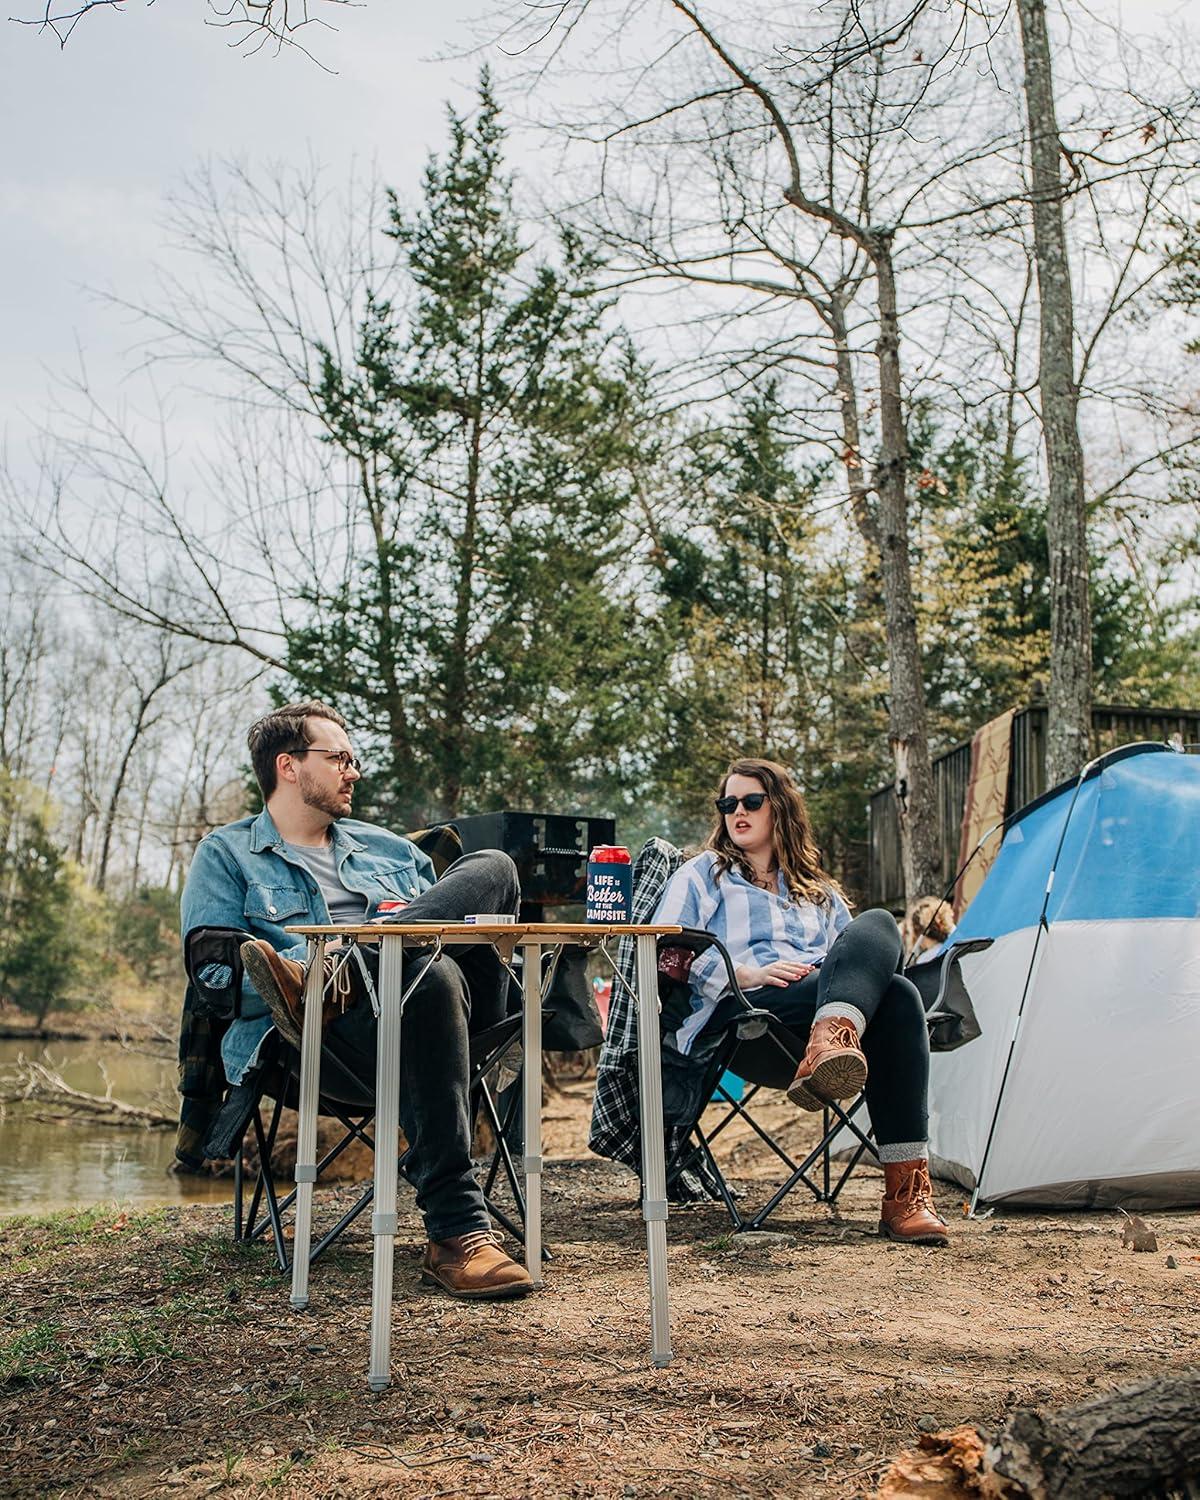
[242, 876]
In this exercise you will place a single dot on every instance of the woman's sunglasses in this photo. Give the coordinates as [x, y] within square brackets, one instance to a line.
[751, 802]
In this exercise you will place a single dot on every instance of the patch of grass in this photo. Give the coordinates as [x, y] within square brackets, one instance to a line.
[45, 1351]
[278, 1474]
[218, 1258]
[24, 1356]
[715, 1247]
[130, 1341]
[31, 1238]
[61, 1227]
[209, 1305]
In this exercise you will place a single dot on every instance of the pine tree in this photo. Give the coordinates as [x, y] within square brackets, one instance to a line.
[764, 614]
[499, 431]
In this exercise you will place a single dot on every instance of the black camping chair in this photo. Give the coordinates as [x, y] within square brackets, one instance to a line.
[756, 1047]
[213, 964]
[765, 1055]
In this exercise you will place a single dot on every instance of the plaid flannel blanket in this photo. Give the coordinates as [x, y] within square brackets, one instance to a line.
[614, 1130]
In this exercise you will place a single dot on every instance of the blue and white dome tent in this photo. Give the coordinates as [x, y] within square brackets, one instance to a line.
[1083, 1088]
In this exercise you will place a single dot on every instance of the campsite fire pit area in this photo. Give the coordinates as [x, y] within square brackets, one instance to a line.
[147, 1354]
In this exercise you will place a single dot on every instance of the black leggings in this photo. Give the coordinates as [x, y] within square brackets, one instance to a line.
[862, 969]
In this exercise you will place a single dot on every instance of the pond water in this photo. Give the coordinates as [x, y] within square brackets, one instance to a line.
[49, 1166]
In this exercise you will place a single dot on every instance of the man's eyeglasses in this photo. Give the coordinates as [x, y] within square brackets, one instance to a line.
[752, 801]
[345, 761]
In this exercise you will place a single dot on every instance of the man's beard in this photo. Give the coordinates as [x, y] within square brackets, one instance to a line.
[323, 800]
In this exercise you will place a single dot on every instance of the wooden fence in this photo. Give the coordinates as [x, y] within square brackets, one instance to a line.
[1112, 725]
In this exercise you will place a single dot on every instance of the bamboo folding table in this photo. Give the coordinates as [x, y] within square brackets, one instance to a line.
[532, 938]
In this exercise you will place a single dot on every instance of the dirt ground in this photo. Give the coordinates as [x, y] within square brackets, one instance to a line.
[149, 1355]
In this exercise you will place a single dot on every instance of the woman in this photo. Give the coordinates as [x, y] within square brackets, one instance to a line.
[758, 886]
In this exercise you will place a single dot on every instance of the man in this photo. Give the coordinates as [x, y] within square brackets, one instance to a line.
[303, 859]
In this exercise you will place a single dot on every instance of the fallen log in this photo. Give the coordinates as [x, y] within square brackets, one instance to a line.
[34, 1086]
[1134, 1441]
[1139, 1441]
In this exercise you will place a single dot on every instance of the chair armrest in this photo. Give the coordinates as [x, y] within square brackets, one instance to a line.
[949, 1012]
[212, 960]
[753, 1023]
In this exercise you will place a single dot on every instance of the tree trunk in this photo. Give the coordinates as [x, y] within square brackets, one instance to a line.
[1135, 1441]
[834, 314]
[1142, 1440]
[114, 800]
[456, 668]
[395, 708]
[907, 734]
[135, 873]
[1066, 523]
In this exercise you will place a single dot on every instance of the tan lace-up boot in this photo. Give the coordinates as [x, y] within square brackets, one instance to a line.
[833, 1066]
[474, 1265]
[280, 982]
[908, 1214]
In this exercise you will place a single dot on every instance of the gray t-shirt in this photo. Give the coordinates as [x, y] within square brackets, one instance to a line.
[345, 907]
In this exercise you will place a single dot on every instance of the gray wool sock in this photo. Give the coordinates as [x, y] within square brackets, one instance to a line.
[844, 1012]
[904, 1151]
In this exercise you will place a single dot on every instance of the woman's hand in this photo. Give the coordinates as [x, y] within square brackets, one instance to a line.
[781, 972]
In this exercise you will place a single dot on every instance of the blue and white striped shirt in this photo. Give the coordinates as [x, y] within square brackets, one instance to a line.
[756, 926]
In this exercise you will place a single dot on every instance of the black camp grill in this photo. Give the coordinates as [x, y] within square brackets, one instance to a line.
[550, 852]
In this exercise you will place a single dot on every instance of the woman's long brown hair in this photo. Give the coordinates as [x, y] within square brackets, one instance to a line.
[796, 850]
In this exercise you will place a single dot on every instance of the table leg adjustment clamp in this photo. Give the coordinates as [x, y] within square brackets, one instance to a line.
[306, 1173]
[654, 1210]
[383, 1223]
[531, 1163]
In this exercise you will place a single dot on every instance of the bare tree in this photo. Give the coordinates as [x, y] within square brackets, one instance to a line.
[770, 158]
[147, 679]
[863, 165]
[1070, 697]
[102, 715]
[252, 24]
[25, 645]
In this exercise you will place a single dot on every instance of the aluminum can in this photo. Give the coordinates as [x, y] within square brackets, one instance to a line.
[609, 884]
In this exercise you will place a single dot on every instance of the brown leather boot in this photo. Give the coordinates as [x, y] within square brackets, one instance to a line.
[908, 1215]
[833, 1066]
[280, 982]
[474, 1265]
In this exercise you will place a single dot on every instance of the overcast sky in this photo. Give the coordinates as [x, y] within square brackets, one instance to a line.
[98, 134]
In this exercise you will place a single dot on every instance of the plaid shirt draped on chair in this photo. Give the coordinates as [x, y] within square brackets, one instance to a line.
[614, 1131]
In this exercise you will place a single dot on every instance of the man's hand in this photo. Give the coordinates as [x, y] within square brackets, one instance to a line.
[783, 971]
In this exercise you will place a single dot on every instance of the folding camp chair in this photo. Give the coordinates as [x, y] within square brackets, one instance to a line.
[755, 1046]
[345, 1097]
[768, 1058]
[764, 1054]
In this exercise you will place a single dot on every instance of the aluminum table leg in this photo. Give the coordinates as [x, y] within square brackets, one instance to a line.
[306, 1129]
[654, 1166]
[532, 1108]
[387, 1146]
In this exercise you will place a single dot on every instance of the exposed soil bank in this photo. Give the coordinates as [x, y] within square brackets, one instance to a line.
[107, 1025]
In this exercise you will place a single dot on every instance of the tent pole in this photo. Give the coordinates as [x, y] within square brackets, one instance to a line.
[948, 893]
